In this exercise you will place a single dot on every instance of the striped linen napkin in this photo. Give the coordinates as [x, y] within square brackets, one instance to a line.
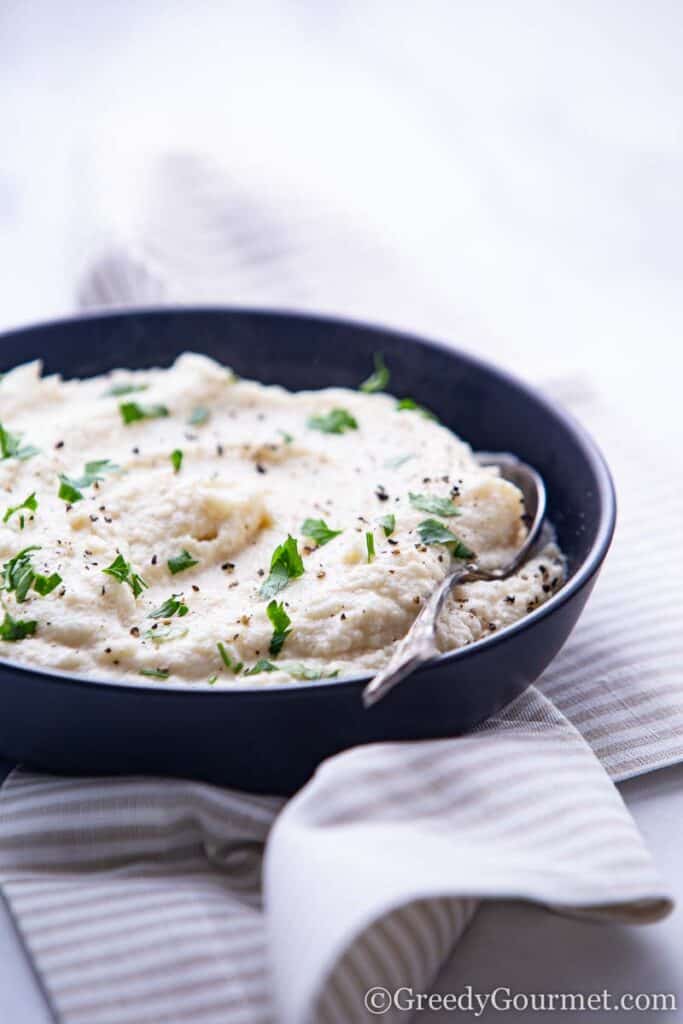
[619, 678]
[144, 901]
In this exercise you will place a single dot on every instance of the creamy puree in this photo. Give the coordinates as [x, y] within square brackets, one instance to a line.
[249, 468]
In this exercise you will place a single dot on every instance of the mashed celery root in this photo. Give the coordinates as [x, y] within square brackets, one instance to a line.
[156, 508]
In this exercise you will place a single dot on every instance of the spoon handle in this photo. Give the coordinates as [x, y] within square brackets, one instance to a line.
[418, 645]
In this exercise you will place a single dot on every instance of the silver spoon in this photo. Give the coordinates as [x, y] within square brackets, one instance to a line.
[419, 644]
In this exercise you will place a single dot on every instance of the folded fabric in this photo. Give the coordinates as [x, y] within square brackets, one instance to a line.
[140, 899]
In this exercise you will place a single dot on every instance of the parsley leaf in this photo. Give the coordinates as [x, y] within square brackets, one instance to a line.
[19, 576]
[234, 666]
[18, 573]
[198, 416]
[132, 411]
[16, 629]
[30, 504]
[118, 390]
[10, 446]
[433, 532]
[155, 673]
[285, 565]
[70, 487]
[181, 562]
[93, 470]
[262, 665]
[404, 404]
[68, 491]
[370, 545]
[334, 422]
[432, 503]
[44, 585]
[287, 438]
[281, 623]
[297, 670]
[388, 524]
[122, 571]
[319, 531]
[176, 458]
[378, 380]
[164, 636]
[174, 605]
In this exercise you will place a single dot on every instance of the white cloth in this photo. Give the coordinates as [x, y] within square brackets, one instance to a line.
[140, 900]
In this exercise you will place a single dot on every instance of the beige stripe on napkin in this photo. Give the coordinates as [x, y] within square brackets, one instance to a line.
[620, 677]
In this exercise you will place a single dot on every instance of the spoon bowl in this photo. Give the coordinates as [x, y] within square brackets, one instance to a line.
[419, 646]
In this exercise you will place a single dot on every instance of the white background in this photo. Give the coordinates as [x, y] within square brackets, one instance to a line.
[507, 176]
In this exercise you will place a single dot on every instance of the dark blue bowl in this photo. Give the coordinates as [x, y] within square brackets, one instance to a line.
[271, 739]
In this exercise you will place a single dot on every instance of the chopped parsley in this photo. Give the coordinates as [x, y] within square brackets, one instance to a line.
[16, 629]
[397, 462]
[281, 623]
[410, 404]
[433, 532]
[297, 670]
[118, 390]
[198, 416]
[70, 487]
[262, 665]
[122, 571]
[155, 673]
[30, 504]
[334, 422]
[44, 585]
[378, 380]
[181, 562]
[319, 531]
[233, 666]
[174, 605]
[68, 491]
[11, 448]
[388, 524]
[287, 438]
[211, 680]
[19, 576]
[164, 636]
[370, 545]
[132, 411]
[431, 503]
[176, 458]
[285, 565]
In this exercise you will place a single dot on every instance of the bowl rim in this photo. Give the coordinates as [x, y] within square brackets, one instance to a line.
[584, 573]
